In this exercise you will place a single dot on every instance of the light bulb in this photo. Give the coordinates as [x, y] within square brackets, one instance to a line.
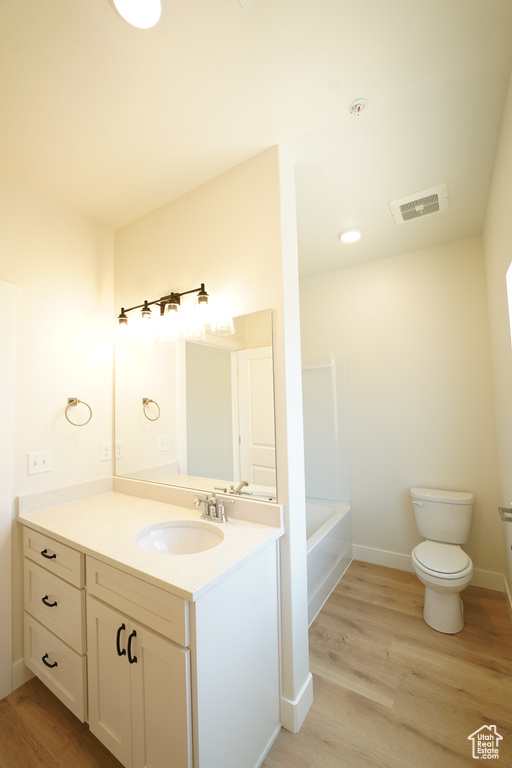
[170, 323]
[350, 236]
[142, 14]
[192, 327]
[223, 326]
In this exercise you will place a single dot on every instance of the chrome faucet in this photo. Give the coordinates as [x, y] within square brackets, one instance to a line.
[239, 487]
[213, 508]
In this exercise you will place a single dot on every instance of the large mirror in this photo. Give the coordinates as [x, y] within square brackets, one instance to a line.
[199, 414]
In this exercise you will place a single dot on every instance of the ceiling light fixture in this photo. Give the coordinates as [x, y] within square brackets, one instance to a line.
[142, 14]
[173, 320]
[350, 236]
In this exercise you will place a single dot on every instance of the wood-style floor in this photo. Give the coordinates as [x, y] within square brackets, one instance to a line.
[389, 691]
[37, 731]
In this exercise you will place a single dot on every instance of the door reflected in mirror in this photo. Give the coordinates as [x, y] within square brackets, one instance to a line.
[199, 414]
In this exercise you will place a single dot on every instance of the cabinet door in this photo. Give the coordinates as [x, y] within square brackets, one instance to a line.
[109, 679]
[161, 711]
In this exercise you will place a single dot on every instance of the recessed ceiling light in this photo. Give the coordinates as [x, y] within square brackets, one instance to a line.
[350, 236]
[142, 14]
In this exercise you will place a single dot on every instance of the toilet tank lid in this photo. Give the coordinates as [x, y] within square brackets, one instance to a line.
[448, 497]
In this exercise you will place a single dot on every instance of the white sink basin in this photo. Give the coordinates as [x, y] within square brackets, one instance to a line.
[179, 537]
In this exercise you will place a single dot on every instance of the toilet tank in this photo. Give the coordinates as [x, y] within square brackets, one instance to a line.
[442, 515]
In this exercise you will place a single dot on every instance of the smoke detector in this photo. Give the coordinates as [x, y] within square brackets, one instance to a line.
[420, 204]
[357, 106]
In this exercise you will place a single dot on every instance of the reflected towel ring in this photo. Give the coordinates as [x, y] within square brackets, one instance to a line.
[145, 402]
[76, 401]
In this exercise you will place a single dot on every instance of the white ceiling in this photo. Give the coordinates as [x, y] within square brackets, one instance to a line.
[116, 122]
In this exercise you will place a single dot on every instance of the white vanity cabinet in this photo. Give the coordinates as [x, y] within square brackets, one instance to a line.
[173, 660]
[139, 681]
[54, 619]
[139, 691]
[235, 680]
[204, 688]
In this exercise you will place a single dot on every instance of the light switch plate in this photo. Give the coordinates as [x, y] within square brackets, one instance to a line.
[39, 461]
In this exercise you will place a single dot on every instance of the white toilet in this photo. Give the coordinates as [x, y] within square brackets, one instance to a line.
[443, 518]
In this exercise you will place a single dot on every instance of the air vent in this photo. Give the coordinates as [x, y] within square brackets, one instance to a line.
[420, 204]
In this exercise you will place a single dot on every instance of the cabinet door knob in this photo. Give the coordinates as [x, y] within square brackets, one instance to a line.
[47, 663]
[45, 601]
[48, 557]
[131, 659]
[120, 651]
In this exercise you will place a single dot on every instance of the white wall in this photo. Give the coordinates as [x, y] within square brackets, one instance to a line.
[63, 264]
[415, 336]
[143, 372]
[237, 234]
[209, 412]
[498, 257]
[9, 297]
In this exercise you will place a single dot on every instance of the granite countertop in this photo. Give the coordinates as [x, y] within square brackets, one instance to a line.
[105, 527]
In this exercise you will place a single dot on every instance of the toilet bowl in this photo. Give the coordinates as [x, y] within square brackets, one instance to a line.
[443, 518]
[445, 570]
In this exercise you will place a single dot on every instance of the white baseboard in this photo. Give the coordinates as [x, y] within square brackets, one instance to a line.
[488, 580]
[508, 594]
[20, 674]
[481, 578]
[268, 747]
[382, 557]
[293, 713]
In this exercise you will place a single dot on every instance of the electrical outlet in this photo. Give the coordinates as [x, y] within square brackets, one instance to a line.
[164, 443]
[38, 462]
[106, 451]
[119, 449]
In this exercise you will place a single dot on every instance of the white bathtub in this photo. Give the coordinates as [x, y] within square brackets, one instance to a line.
[329, 548]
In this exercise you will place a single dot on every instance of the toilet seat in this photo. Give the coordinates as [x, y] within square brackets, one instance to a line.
[446, 561]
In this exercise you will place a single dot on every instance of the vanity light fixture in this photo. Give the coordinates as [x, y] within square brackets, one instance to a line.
[142, 14]
[174, 320]
[350, 236]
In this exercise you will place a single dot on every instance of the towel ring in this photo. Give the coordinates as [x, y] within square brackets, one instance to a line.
[145, 402]
[76, 401]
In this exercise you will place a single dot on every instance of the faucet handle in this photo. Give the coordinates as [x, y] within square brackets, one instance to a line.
[221, 512]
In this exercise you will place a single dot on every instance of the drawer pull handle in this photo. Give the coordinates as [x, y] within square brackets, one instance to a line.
[131, 659]
[48, 557]
[120, 651]
[51, 666]
[45, 601]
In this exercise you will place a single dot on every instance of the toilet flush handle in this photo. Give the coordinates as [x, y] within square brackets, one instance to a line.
[418, 503]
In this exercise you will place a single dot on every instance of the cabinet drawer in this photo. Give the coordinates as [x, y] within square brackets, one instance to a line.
[56, 604]
[54, 556]
[67, 674]
[157, 609]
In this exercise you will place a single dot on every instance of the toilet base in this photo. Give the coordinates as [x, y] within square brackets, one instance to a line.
[443, 611]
